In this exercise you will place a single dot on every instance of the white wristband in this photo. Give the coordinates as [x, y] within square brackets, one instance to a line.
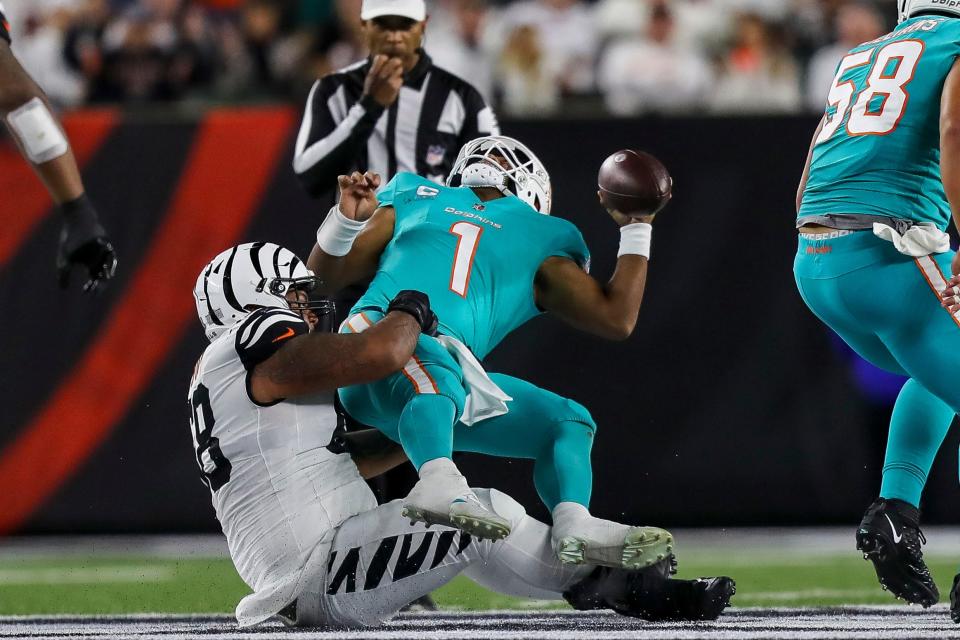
[337, 233]
[635, 239]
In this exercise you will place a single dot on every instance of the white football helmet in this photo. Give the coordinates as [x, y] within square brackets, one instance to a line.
[481, 163]
[249, 276]
[909, 8]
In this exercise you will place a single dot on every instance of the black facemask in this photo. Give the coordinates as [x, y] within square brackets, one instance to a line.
[322, 306]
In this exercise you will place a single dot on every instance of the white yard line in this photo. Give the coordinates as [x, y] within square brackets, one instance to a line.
[791, 596]
[783, 543]
[854, 623]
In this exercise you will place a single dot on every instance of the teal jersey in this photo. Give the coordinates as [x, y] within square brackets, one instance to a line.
[476, 260]
[879, 149]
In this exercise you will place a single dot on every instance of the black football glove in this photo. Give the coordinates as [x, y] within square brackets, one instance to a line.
[84, 242]
[416, 304]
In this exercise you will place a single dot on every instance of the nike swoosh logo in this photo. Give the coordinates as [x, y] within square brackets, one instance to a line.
[896, 537]
[289, 334]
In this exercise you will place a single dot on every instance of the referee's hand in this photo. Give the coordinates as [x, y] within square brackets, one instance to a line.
[384, 80]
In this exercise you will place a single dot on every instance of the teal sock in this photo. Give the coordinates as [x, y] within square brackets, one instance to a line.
[426, 428]
[545, 479]
[919, 424]
[571, 462]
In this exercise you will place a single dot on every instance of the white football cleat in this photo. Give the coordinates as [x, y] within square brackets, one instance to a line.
[468, 514]
[579, 538]
[442, 496]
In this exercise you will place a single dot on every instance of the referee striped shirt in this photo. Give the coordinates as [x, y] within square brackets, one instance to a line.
[435, 114]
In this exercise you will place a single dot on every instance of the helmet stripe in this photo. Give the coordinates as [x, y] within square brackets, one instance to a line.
[255, 257]
[293, 265]
[228, 285]
[206, 295]
[276, 262]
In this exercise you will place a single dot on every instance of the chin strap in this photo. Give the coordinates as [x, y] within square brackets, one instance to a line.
[482, 174]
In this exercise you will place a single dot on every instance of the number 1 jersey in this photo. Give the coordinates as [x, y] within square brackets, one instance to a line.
[476, 260]
[879, 150]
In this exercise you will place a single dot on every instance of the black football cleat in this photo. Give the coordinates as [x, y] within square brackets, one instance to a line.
[890, 537]
[649, 595]
[955, 599]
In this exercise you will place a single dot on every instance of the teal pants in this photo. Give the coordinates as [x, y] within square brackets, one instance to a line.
[418, 408]
[885, 306]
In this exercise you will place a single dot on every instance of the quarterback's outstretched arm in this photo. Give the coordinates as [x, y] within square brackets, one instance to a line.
[317, 362]
[27, 115]
[353, 235]
[609, 311]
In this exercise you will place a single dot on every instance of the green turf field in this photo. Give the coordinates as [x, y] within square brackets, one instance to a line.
[69, 584]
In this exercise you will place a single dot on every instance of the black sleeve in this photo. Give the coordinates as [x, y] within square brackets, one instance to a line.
[263, 332]
[328, 146]
[4, 27]
[480, 120]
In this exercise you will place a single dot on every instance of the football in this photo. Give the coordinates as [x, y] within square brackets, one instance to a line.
[634, 183]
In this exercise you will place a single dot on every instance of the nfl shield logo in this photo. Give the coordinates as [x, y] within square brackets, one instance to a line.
[479, 207]
[435, 154]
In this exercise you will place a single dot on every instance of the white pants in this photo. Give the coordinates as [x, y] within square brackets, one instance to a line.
[380, 562]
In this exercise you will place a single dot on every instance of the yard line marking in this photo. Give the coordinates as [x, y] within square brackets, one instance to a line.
[787, 596]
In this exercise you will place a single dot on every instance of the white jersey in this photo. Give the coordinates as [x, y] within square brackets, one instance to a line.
[277, 490]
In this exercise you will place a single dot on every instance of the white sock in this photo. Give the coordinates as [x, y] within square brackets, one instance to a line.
[439, 465]
[569, 510]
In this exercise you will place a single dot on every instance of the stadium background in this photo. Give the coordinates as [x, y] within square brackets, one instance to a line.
[731, 398]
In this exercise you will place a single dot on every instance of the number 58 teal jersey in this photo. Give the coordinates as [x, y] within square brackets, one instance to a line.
[476, 260]
[878, 152]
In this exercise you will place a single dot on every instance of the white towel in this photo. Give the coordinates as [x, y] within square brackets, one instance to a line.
[919, 240]
[484, 398]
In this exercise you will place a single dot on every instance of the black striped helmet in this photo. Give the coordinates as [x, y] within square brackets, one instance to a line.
[249, 276]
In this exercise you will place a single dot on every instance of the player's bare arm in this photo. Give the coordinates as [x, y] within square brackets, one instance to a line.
[28, 117]
[354, 234]
[373, 452]
[17, 88]
[606, 310]
[950, 156]
[806, 166]
[950, 172]
[317, 362]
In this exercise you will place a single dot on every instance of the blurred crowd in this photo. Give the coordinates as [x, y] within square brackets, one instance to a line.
[530, 57]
